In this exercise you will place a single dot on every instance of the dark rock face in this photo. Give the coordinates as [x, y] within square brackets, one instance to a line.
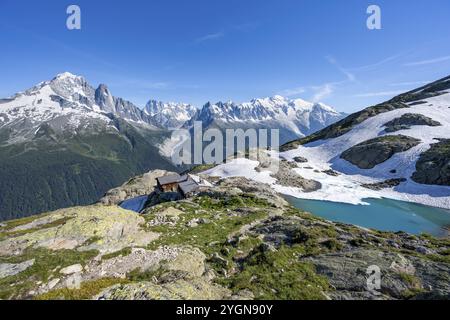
[410, 119]
[371, 153]
[300, 160]
[119, 106]
[332, 173]
[433, 166]
[347, 272]
[385, 184]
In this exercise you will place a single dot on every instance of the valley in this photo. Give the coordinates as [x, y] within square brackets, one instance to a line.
[65, 143]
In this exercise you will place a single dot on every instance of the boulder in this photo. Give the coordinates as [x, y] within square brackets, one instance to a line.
[290, 178]
[103, 228]
[408, 120]
[331, 173]
[433, 166]
[76, 268]
[300, 160]
[371, 153]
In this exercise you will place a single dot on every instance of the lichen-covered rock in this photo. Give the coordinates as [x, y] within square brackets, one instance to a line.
[193, 289]
[189, 261]
[371, 153]
[347, 272]
[167, 216]
[139, 259]
[103, 228]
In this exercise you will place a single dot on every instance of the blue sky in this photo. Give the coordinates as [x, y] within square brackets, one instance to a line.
[203, 50]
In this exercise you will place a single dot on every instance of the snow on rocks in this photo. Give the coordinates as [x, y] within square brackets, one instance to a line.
[324, 155]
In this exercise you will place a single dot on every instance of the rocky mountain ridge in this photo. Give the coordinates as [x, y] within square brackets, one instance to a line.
[294, 118]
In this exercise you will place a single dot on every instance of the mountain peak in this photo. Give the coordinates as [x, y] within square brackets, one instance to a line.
[103, 89]
[170, 114]
[278, 98]
[66, 75]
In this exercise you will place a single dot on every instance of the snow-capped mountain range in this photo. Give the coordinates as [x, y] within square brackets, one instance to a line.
[297, 118]
[67, 104]
[70, 102]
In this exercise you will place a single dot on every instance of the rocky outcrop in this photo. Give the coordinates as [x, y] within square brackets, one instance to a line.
[239, 186]
[384, 184]
[106, 229]
[408, 120]
[347, 254]
[331, 173]
[285, 175]
[300, 160]
[401, 276]
[182, 276]
[138, 186]
[11, 269]
[433, 166]
[371, 153]
[290, 178]
[195, 289]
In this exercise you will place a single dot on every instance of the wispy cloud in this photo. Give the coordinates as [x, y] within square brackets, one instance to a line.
[322, 92]
[293, 91]
[425, 62]
[318, 92]
[211, 36]
[378, 64]
[350, 76]
[228, 30]
[378, 94]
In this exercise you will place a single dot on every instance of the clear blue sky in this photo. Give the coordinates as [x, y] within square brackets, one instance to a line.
[204, 50]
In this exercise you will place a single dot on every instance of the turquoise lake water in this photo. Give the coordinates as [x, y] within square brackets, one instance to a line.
[382, 214]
